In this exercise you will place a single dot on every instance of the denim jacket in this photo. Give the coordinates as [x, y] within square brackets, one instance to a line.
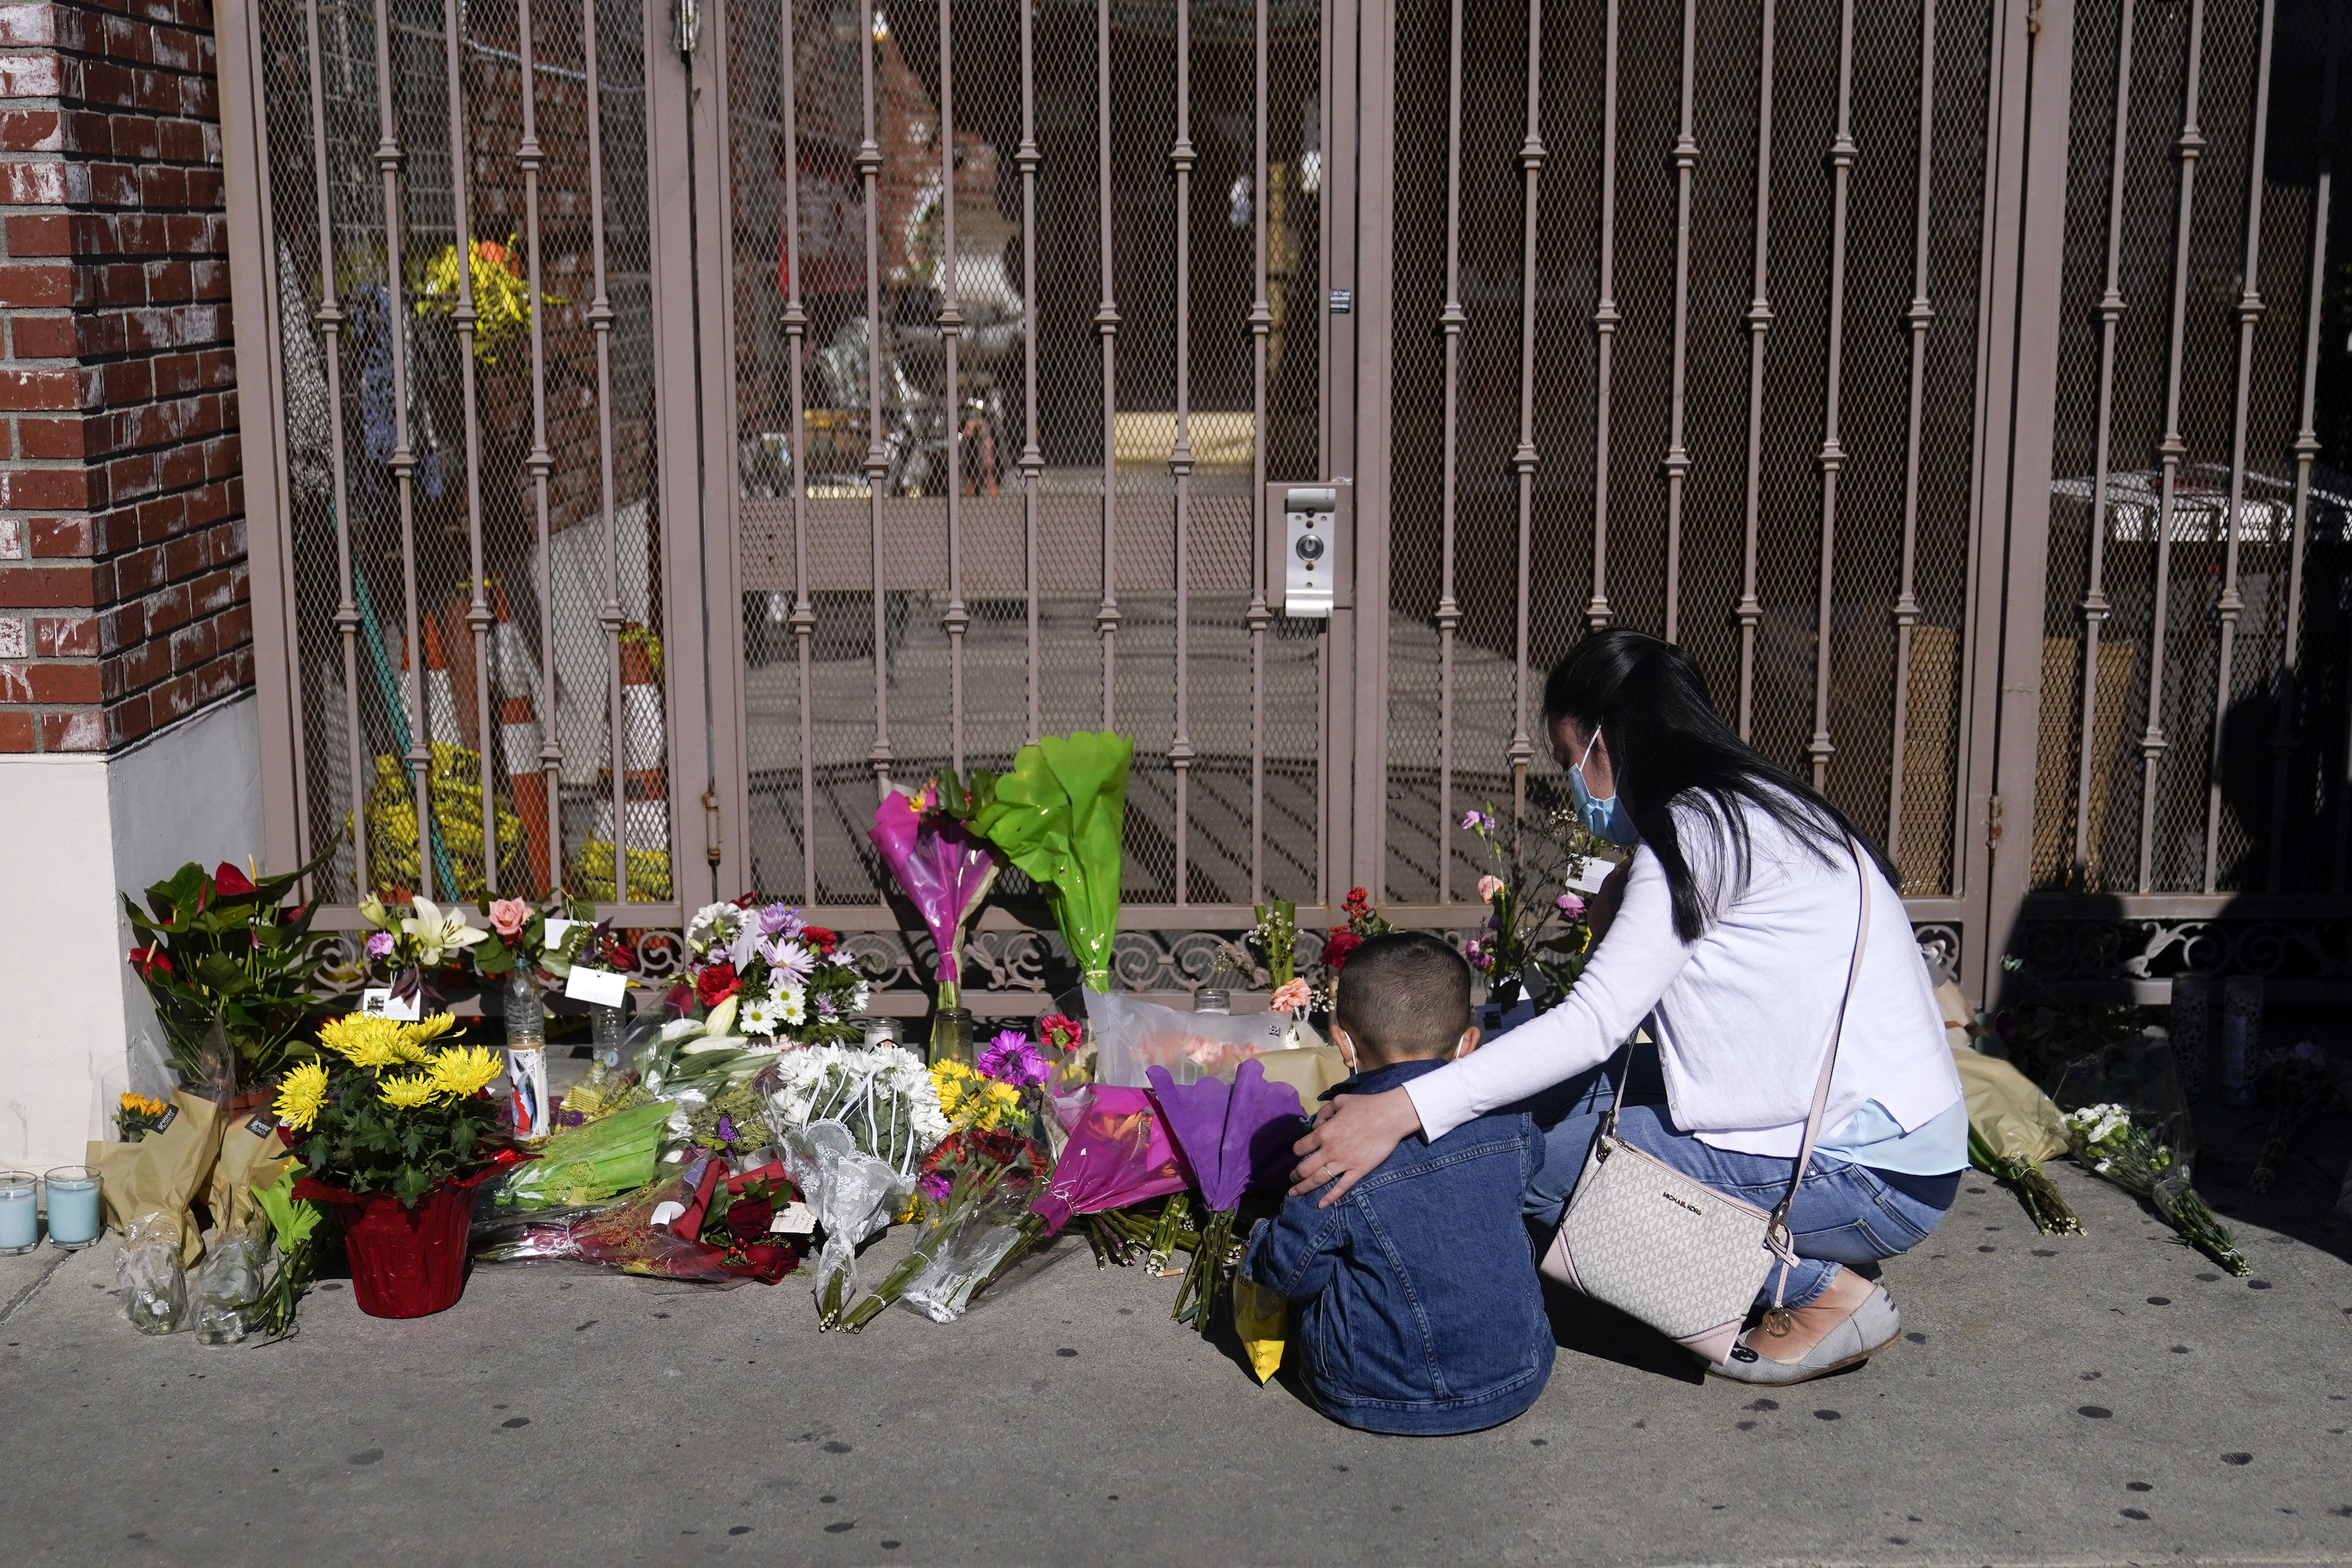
[1415, 1299]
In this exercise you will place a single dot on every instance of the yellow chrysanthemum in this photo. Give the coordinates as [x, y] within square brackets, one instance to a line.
[408, 1091]
[428, 1029]
[301, 1096]
[364, 1041]
[466, 1070]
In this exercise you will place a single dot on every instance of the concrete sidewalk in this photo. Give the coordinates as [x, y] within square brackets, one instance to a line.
[2105, 1399]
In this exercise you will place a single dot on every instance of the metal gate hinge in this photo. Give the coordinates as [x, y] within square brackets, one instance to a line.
[711, 823]
[686, 26]
[1993, 822]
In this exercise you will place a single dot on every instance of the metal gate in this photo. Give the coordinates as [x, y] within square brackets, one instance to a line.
[847, 391]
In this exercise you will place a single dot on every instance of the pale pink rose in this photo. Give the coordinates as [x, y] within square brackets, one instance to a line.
[1487, 888]
[1293, 997]
[508, 916]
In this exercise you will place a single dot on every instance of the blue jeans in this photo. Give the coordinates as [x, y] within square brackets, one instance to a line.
[1843, 1213]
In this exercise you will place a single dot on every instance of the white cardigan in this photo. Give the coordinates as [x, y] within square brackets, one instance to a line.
[1741, 1015]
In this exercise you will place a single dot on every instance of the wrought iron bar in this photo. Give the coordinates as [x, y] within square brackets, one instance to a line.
[478, 609]
[1523, 459]
[625, 726]
[2233, 603]
[1451, 319]
[1833, 453]
[388, 156]
[796, 349]
[2094, 606]
[1261, 323]
[1918, 317]
[538, 461]
[330, 316]
[1106, 324]
[868, 160]
[1597, 612]
[2306, 449]
[950, 331]
[1677, 463]
[1033, 457]
[1759, 322]
[1180, 454]
[2172, 449]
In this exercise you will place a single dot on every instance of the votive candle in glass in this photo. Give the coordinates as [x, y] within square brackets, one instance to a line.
[20, 1225]
[73, 1206]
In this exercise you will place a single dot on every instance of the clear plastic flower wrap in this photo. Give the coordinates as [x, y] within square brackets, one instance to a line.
[228, 1290]
[149, 1273]
[854, 1124]
[853, 1194]
[981, 1241]
[2127, 1122]
[658, 1231]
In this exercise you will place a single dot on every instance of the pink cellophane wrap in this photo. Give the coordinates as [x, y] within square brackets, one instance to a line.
[944, 871]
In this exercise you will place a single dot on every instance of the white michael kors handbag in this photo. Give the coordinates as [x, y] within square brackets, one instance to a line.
[1670, 1251]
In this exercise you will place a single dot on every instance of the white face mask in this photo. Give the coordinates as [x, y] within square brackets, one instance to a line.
[1347, 1044]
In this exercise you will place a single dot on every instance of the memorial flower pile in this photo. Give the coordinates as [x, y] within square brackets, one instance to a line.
[1536, 932]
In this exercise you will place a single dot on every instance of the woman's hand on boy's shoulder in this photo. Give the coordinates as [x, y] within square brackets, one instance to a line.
[1351, 1136]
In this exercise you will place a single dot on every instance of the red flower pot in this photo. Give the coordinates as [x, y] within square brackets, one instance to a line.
[406, 1263]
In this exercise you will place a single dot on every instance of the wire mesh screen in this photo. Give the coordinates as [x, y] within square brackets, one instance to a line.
[909, 452]
[1757, 426]
[2182, 391]
[418, 468]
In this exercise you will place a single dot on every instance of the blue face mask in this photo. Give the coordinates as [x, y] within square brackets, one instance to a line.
[1603, 818]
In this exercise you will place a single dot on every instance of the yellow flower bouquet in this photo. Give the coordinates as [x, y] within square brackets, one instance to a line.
[386, 1107]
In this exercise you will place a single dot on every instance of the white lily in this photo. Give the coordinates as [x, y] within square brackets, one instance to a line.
[437, 931]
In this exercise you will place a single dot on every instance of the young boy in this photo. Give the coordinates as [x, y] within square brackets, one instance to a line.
[1414, 1301]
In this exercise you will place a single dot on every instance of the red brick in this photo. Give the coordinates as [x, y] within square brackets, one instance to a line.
[31, 76]
[214, 591]
[16, 731]
[60, 437]
[182, 558]
[235, 627]
[121, 626]
[39, 234]
[43, 337]
[139, 667]
[27, 489]
[65, 683]
[59, 637]
[128, 720]
[168, 609]
[81, 731]
[31, 129]
[36, 284]
[137, 571]
[34, 24]
[53, 587]
[62, 536]
[126, 382]
[17, 683]
[192, 646]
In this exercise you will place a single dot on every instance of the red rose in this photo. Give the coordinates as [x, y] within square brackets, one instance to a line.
[1338, 947]
[148, 959]
[230, 882]
[822, 939]
[717, 983]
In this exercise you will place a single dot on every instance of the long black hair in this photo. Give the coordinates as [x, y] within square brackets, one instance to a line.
[1665, 740]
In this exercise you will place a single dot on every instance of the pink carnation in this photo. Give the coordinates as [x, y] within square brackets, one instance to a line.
[1487, 888]
[1293, 997]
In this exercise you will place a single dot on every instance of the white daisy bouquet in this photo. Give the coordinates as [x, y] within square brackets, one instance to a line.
[2128, 1150]
[855, 1122]
[764, 973]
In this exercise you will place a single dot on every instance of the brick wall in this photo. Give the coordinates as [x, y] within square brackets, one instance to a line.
[124, 598]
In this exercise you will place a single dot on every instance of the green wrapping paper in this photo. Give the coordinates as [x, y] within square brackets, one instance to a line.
[1060, 815]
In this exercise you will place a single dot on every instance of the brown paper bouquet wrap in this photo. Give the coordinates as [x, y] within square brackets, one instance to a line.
[161, 1173]
[252, 1154]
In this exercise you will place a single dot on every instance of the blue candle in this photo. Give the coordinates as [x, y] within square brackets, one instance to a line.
[19, 1224]
[73, 1206]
